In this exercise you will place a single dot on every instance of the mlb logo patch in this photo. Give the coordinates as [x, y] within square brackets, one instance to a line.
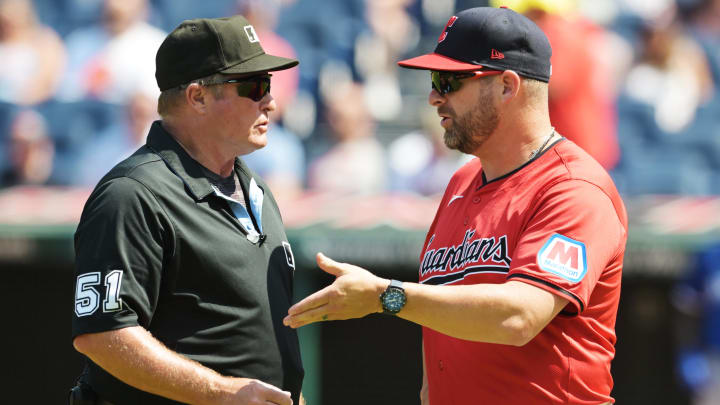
[289, 255]
[251, 34]
[565, 257]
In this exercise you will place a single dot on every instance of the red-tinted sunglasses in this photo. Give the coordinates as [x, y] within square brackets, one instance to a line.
[446, 82]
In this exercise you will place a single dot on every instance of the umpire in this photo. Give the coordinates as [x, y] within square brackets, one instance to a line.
[183, 269]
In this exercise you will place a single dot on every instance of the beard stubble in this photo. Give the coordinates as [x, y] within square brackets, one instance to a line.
[469, 131]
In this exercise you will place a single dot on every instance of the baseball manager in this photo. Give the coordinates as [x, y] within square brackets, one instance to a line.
[520, 272]
[183, 269]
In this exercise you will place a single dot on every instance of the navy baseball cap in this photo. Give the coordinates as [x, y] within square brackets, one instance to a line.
[490, 38]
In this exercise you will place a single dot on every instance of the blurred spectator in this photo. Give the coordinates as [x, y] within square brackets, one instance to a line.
[420, 162]
[33, 56]
[263, 15]
[393, 26]
[117, 142]
[392, 33]
[698, 297]
[582, 88]
[356, 161]
[30, 151]
[115, 59]
[324, 35]
[704, 25]
[282, 162]
[671, 73]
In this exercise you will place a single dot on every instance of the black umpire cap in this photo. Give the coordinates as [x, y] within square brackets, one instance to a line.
[201, 47]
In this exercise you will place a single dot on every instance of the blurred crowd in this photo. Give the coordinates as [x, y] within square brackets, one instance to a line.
[635, 83]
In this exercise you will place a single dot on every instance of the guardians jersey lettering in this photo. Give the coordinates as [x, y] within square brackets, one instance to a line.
[447, 259]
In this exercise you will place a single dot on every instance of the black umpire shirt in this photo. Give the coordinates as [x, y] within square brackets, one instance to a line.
[158, 246]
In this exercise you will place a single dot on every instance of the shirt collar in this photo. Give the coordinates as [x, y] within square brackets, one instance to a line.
[181, 163]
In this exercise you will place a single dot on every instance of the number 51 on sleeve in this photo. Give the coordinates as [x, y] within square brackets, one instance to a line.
[87, 297]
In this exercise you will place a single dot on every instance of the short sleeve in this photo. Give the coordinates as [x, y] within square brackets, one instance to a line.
[120, 246]
[570, 240]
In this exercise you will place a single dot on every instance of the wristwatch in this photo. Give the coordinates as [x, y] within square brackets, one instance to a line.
[393, 298]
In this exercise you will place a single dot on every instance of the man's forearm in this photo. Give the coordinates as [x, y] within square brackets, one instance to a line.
[135, 357]
[509, 313]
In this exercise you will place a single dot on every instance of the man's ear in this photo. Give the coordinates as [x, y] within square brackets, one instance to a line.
[511, 85]
[196, 96]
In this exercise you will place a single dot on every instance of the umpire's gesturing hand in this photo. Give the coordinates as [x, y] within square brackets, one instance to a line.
[354, 294]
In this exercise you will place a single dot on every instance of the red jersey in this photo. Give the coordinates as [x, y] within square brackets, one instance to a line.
[557, 223]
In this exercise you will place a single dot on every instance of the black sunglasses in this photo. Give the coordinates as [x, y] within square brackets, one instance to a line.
[254, 88]
[447, 82]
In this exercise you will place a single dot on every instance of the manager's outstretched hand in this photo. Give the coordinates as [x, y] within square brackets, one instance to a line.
[354, 294]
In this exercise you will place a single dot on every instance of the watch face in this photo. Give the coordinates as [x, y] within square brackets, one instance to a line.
[394, 300]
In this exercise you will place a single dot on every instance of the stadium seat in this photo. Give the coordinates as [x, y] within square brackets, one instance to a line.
[172, 12]
[7, 111]
[664, 169]
[73, 124]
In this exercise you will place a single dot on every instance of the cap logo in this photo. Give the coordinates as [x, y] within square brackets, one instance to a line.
[250, 32]
[449, 24]
[495, 54]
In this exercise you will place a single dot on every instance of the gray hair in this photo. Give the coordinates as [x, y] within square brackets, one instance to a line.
[170, 99]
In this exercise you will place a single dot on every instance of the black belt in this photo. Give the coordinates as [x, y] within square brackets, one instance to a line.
[83, 394]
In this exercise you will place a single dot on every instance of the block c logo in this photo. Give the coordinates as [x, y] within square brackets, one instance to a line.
[449, 24]
[564, 257]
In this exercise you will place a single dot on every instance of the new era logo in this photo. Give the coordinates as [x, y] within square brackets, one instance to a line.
[453, 198]
[495, 54]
